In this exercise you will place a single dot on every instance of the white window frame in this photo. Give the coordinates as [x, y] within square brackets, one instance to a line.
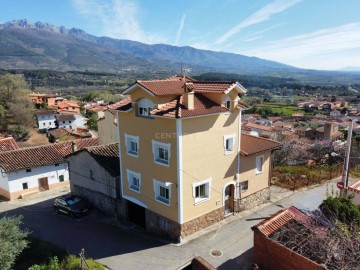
[155, 146]
[228, 101]
[166, 185]
[230, 150]
[145, 105]
[128, 140]
[262, 164]
[132, 187]
[242, 185]
[207, 183]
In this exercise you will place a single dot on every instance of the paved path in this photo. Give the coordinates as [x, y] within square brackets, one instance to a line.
[124, 246]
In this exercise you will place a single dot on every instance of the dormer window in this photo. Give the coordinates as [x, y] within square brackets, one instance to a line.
[228, 103]
[144, 107]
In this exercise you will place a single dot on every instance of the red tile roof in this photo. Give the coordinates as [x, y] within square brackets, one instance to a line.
[252, 145]
[279, 219]
[177, 109]
[121, 105]
[7, 144]
[257, 126]
[163, 87]
[41, 155]
[47, 112]
[65, 104]
[178, 87]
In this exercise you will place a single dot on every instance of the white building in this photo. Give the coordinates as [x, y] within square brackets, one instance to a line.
[27, 171]
[46, 119]
[70, 121]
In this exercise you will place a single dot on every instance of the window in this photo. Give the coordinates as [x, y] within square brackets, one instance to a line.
[144, 107]
[161, 153]
[134, 180]
[25, 185]
[57, 165]
[61, 178]
[228, 103]
[92, 175]
[163, 223]
[63, 122]
[132, 145]
[229, 144]
[201, 191]
[50, 123]
[259, 164]
[69, 122]
[28, 170]
[243, 186]
[70, 127]
[162, 192]
[44, 124]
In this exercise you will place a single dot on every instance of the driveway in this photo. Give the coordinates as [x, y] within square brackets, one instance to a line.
[121, 245]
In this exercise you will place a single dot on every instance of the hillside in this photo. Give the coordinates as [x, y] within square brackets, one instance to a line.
[27, 45]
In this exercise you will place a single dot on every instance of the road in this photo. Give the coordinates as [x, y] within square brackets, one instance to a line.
[121, 245]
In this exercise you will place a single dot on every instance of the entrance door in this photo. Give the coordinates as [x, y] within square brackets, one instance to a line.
[43, 184]
[136, 214]
[229, 199]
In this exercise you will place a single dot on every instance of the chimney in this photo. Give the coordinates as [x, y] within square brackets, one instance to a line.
[73, 147]
[189, 96]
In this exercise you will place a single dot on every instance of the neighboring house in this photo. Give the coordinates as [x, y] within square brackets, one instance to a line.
[180, 155]
[40, 99]
[255, 170]
[80, 121]
[46, 119]
[94, 174]
[27, 171]
[68, 106]
[107, 125]
[66, 120]
[65, 134]
[272, 255]
[7, 144]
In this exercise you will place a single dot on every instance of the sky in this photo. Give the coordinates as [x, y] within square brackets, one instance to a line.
[312, 34]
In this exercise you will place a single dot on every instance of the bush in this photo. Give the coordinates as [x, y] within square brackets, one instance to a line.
[341, 209]
[70, 262]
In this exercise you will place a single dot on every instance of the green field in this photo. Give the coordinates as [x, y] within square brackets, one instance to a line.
[281, 108]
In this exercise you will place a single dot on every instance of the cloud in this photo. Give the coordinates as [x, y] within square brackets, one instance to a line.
[117, 19]
[180, 29]
[259, 16]
[329, 45]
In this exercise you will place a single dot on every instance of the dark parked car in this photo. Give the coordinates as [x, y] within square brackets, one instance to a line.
[72, 205]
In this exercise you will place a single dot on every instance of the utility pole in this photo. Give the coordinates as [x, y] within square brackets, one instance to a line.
[345, 174]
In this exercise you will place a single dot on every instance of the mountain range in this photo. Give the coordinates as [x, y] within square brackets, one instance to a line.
[39, 45]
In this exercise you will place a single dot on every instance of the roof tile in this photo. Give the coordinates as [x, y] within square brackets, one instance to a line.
[251, 144]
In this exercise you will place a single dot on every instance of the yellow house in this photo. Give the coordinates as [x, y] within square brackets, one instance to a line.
[180, 155]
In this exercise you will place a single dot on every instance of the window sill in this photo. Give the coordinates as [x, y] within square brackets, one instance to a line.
[132, 154]
[161, 163]
[134, 189]
[162, 202]
[200, 201]
[259, 173]
[228, 153]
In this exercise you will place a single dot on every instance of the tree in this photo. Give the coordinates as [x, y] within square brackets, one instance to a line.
[21, 110]
[13, 240]
[11, 86]
[290, 152]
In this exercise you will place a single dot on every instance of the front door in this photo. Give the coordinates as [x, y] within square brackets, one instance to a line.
[136, 214]
[229, 199]
[43, 184]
